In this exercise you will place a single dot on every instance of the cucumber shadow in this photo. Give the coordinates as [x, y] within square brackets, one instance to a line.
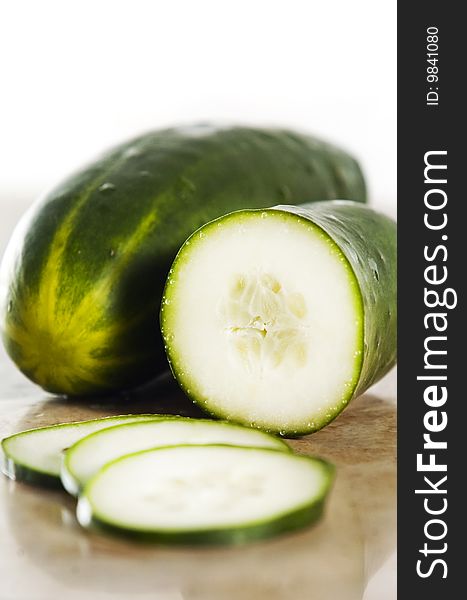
[161, 396]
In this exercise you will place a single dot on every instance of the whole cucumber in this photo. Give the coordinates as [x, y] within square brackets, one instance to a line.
[83, 275]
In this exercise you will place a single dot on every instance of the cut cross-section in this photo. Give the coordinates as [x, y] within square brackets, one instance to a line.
[206, 494]
[35, 455]
[90, 454]
[275, 318]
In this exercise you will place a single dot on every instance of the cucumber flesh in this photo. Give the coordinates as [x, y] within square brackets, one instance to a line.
[91, 453]
[36, 455]
[206, 494]
[295, 309]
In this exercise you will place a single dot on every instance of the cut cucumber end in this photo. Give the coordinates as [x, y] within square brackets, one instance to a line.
[35, 455]
[88, 455]
[206, 494]
[262, 319]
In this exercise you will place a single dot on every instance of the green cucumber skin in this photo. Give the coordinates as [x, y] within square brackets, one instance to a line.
[84, 272]
[369, 242]
[288, 523]
[73, 486]
[20, 472]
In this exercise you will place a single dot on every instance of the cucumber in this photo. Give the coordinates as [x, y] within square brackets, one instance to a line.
[82, 277]
[89, 454]
[35, 455]
[206, 494]
[277, 318]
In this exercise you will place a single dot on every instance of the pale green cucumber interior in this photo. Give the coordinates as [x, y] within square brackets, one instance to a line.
[91, 453]
[189, 488]
[42, 449]
[262, 319]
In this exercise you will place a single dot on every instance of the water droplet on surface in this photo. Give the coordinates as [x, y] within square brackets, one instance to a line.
[132, 151]
[112, 252]
[107, 187]
[10, 306]
[264, 215]
[166, 301]
[201, 234]
[374, 267]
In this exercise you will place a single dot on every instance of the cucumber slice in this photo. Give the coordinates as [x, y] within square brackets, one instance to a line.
[277, 318]
[91, 453]
[36, 455]
[206, 494]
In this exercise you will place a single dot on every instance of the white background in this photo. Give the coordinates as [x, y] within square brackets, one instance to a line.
[76, 77]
